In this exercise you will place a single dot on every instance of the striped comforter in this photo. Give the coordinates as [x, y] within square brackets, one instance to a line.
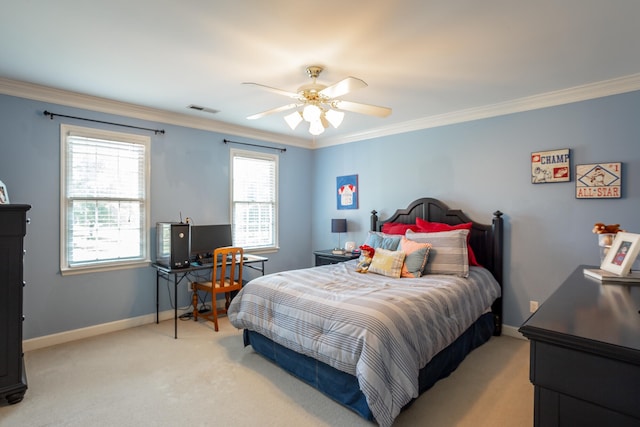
[379, 329]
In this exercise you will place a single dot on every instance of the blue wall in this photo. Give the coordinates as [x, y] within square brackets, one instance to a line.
[484, 166]
[189, 175]
[479, 167]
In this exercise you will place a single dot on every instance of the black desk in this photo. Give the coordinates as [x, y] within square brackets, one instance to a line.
[254, 262]
[585, 354]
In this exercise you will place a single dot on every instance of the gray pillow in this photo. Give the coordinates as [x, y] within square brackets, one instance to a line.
[448, 253]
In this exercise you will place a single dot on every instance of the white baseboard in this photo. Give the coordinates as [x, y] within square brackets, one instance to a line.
[91, 331]
[118, 325]
[512, 331]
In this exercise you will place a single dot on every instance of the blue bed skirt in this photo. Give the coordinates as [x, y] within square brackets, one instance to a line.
[344, 388]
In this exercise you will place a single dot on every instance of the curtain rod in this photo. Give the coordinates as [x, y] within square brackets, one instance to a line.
[51, 115]
[282, 150]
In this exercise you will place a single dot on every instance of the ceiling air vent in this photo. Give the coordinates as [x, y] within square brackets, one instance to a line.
[204, 109]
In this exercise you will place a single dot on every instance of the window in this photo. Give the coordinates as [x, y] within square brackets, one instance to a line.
[104, 199]
[254, 199]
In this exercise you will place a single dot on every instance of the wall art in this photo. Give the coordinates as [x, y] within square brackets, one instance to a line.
[550, 166]
[347, 191]
[599, 181]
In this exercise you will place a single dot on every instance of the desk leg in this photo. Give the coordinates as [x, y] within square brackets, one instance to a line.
[157, 296]
[175, 306]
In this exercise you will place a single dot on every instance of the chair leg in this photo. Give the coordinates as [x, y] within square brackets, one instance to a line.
[194, 301]
[214, 309]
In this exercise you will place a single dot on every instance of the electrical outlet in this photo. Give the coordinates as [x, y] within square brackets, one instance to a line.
[533, 306]
[189, 287]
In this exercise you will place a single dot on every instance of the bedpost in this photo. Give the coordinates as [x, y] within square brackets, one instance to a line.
[374, 220]
[497, 251]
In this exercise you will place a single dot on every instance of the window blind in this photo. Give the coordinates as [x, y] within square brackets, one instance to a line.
[105, 200]
[254, 193]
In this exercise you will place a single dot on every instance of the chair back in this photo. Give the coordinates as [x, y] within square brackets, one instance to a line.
[227, 268]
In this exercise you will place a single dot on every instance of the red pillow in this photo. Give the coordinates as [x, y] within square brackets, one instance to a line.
[398, 228]
[434, 227]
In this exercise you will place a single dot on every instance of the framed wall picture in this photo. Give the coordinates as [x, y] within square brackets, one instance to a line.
[550, 166]
[622, 254]
[4, 194]
[347, 192]
[599, 181]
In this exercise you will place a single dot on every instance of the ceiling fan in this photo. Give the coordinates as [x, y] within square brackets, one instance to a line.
[319, 104]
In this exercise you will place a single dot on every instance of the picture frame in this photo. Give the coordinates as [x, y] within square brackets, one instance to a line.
[551, 166]
[599, 180]
[347, 192]
[622, 254]
[4, 194]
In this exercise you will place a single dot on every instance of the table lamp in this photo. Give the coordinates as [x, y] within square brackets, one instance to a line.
[338, 226]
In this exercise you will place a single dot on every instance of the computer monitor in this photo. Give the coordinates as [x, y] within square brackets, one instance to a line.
[206, 238]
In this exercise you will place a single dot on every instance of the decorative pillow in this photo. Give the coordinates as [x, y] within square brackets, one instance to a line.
[377, 240]
[398, 228]
[434, 227]
[388, 263]
[415, 258]
[448, 253]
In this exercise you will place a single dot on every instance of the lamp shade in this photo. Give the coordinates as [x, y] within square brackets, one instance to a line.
[338, 225]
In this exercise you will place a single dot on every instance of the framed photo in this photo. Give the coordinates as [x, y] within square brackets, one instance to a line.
[550, 166]
[4, 194]
[347, 191]
[599, 181]
[622, 254]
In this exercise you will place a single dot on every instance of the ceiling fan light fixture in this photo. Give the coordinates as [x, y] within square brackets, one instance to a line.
[311, 113]
[334, 117]
[293, 119]
[316, 128]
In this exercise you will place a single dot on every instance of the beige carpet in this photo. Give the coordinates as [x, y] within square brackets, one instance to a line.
[143, 377]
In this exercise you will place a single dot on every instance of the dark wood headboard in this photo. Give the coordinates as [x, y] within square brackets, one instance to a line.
[486, 239]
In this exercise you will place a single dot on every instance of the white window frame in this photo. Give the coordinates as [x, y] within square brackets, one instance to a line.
[143, 258]
[255, 248]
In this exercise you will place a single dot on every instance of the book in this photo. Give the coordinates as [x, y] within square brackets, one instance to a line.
[607, 276]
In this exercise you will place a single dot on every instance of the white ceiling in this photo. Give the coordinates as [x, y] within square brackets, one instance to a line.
[423, 58]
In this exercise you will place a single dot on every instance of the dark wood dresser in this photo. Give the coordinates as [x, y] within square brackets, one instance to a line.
[585, 354]
[13, 227]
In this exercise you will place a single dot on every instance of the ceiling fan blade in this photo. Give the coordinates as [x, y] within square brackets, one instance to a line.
[274, 90]
[356, 107]
[272, 111]
[343, 87]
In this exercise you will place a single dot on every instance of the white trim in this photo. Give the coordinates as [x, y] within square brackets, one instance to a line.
[92, 331]
[133, 139]
[512, 331]
[275, 158]
[103, 105]
[550, 99]
[119, 325]
[585, 92]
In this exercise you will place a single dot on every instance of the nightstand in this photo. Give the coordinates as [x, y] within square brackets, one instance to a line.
[326, 256]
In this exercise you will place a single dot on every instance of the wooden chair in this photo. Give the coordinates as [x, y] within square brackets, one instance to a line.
[226, 277]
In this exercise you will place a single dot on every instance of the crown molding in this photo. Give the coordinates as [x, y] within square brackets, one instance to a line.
[586, 92]
[77, 100]
[550, 99]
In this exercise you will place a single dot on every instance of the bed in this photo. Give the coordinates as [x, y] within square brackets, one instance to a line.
[371, 342]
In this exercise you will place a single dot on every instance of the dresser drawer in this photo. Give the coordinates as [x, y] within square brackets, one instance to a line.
[603, 381]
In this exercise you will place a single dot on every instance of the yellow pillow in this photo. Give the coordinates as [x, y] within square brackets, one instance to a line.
[386, 262]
